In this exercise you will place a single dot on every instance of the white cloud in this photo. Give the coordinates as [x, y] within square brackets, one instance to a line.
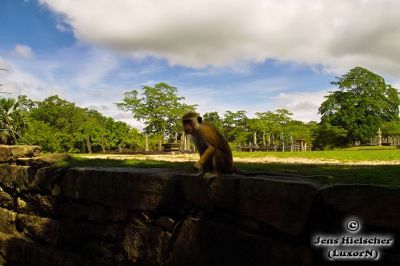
[62, 27]
[4, 65]
[17, 81]
[336, 34]
[304, 105]
[256, 96]
[23, 51]
[81, 80]
[94, 69]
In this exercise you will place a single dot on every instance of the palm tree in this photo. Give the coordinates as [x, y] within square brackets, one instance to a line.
[11, 120]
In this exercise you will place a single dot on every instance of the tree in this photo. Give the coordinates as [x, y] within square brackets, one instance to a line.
[273, 124]
[270, 121]
[158, 107]
[120, 135]
[283, 116]
[361, 104]
[300, 130]
[42, 134]
[235, 125]
[327, 136]
[215, 119]
[391, 128]
[12, 120]
[65, 119]
[60, 126]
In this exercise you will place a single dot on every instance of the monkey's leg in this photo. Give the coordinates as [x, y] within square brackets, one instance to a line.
[199, 174]
[203, 170]
[209, 173]
[217, 165]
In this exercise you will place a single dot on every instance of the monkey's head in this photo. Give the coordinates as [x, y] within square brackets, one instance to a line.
[191, 122]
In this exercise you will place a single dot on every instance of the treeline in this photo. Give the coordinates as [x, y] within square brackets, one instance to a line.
[362, 105]
[58, 125]
[266, 128]
[160, 109]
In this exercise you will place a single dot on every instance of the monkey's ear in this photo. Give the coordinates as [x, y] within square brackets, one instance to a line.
[200, 119]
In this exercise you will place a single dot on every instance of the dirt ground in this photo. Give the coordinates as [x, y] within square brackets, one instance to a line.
[266, 159]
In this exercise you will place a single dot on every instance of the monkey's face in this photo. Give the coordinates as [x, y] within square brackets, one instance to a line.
[190, 126]
[191, 122]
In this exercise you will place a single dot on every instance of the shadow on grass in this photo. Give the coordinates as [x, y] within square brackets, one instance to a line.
[325, 174]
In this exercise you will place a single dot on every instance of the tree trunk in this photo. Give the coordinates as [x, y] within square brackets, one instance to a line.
[190, 144]
[103, 144]
[273, 142]
[184, 142]
[146, 140]
[176, 137]
[263, 140]
[162, 139]
[88, 144]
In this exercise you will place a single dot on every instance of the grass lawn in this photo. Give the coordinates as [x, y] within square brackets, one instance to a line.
[326, 174]
[350, 155]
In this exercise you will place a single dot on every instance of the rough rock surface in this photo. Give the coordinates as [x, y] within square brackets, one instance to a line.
[374, 205]
[283, 204]
[202, 242]
[7, 221]
[15, 177]
[8, 152]
[125, 216]
[135, 189]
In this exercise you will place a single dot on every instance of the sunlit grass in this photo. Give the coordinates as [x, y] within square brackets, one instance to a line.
[325, 174]
[339, 155]
[358, 148]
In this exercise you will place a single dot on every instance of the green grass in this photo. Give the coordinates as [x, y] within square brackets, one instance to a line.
[365, 148]
[340, 155]
[78, 161]
[325, 174]
[334, 174]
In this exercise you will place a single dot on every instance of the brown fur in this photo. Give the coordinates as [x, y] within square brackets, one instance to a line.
[214, 150]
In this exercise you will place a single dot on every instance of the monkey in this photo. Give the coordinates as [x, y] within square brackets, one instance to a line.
[215, 154]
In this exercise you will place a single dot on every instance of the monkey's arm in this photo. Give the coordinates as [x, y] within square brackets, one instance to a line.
[210, 143]
[208, 153]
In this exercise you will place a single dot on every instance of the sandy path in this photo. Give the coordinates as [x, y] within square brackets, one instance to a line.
[266, 159]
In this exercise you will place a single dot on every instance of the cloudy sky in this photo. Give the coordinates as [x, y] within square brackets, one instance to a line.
[256, 55]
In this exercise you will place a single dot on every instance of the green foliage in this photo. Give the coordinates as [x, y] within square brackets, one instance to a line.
[362, 103]
[215, 119]
[235, 126]
[158, 107]
[273, 124]
[12, 123]
[301, 130]
[42, 134]
[327, 136]
[60, 126]
[240, 129]
[391, 128]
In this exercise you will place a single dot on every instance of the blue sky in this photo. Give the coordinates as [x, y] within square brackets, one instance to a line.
[230, 55]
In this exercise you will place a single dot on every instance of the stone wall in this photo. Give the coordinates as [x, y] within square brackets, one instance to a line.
[127, 216]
